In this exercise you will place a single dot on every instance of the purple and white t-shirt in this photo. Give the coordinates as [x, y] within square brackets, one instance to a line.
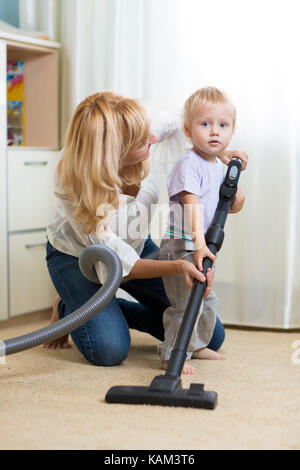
[196, 175]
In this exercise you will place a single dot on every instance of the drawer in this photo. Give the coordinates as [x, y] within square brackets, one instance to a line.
[30, 285]
[30, 188]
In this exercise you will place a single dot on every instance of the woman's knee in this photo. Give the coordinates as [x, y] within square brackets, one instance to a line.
[112, 356]
[105, 351]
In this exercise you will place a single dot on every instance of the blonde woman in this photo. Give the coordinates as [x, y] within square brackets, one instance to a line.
[103, 182]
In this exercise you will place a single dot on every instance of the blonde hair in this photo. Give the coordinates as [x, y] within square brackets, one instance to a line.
[103, 129]
[208, 95]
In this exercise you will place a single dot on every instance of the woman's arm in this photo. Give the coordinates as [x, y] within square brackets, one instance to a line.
[147, 268]
[165, 124]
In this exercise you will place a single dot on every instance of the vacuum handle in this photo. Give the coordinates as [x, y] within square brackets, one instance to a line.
[228, 188]
[214, 238]
[233, 172]
[178, 354]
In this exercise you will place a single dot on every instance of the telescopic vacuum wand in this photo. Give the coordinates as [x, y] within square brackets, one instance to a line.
[166, 389]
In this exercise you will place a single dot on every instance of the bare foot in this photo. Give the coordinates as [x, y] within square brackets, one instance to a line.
[207, 353]
[187, 368]
[59, 343]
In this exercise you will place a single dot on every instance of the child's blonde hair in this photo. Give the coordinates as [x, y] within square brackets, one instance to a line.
[208, 95]
[103, 129]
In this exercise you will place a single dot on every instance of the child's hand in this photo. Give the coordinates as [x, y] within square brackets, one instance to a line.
[238, 202]
[199, 255]
[227, 155]
[190, 273]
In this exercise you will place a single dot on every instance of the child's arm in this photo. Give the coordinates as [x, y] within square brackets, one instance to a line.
[238, 202]
[193, 212]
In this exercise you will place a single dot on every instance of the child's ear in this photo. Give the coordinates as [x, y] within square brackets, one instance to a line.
[187, 131]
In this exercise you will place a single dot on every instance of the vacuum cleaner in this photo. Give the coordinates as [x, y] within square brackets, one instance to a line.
[166, 390]
[97, 302]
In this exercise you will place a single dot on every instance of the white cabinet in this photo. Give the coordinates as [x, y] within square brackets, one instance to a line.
[30, 288]
[26, 177]
[30, 186]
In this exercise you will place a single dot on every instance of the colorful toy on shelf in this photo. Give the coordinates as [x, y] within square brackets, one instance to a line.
[15, 104]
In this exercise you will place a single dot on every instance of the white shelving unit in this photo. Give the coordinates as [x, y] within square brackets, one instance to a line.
[26, 177]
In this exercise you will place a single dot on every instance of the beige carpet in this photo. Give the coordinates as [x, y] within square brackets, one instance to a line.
[55, 399]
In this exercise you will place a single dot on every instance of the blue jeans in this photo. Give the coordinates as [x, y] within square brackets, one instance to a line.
[105, 339]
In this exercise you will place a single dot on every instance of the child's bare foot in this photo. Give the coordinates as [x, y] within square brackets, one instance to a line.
[207, 353]
[59, 343]
[187, 368]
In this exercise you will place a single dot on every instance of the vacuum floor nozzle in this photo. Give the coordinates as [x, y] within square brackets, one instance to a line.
[194, 397]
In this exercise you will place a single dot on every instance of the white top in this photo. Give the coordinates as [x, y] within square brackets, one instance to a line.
[124, 229]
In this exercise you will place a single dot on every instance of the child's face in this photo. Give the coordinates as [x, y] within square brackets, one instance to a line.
[212, 128]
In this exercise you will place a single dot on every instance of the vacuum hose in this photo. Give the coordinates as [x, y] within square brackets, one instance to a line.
[97, 302]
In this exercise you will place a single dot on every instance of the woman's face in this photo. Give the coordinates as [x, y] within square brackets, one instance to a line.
[137, 155]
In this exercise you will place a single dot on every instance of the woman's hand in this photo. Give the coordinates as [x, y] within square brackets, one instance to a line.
[190, 272]
[227, 155]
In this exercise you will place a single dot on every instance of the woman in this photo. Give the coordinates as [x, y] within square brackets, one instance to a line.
[104, 176]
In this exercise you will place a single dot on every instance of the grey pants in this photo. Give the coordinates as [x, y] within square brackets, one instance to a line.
[178, 294]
